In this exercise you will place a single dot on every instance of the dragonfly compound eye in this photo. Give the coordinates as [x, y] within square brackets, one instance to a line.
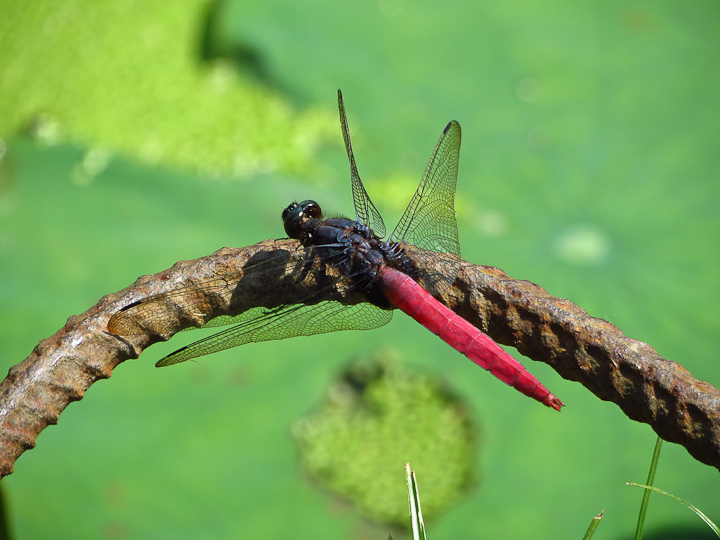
[289, 209]
[295, 215]
[311, 209]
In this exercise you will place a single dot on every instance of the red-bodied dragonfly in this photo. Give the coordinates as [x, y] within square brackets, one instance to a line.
[388, 272]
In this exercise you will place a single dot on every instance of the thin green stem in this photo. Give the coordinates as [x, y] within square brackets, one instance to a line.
[702, 516]
[646, 495]
[593, 525]
[416, 520]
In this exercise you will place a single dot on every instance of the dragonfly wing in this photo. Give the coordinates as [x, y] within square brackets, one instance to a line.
[260, 324]
[163, 313]
[429, 221]
[192, 304]
[364, 208]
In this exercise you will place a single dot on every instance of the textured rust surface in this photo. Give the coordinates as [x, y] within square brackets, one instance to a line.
[595, 353]
[581, 348]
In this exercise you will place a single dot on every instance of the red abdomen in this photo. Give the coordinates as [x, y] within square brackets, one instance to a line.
[411, 298]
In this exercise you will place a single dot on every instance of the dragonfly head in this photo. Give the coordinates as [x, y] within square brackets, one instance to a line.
[295, 216]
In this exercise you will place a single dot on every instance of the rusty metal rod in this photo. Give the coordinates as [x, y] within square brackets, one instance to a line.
[581, 348]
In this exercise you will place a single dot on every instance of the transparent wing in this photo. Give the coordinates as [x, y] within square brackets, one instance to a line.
[364, 208]
[259, 324]
[192, 302]
[429, 221]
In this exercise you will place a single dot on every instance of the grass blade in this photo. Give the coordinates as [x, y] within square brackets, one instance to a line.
[416, 520]
[702, 516]
[593, 525]
[646, 495]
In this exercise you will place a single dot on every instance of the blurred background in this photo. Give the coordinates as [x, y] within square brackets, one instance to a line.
[136, 134]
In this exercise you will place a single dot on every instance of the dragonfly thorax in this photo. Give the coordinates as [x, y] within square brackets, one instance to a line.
[344, 243]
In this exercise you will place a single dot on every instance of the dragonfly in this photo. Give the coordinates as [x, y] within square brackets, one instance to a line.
[390, 274]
